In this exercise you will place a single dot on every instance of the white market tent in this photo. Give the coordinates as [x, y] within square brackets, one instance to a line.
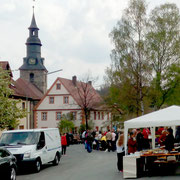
[165, 117]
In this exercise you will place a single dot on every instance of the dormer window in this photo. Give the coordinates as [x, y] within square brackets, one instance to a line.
[31, 76]
[58, 86]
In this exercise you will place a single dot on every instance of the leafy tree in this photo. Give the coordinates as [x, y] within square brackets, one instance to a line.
[172, 91]
[129, 69]
[9, 110]
[144, 71]
[163, 40]
[66, 124]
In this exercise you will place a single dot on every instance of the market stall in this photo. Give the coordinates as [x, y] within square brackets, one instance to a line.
[165, 117]
[169, 117]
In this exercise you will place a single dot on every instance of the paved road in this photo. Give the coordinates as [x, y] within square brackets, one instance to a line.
[80, 165]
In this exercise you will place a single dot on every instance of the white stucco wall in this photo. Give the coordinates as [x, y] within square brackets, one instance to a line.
[26, 120]
[59, 106]
[51, 119]
[57, 91]
[101, 123]
[58, 99]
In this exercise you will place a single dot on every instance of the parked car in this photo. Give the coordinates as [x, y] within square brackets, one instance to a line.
[7, 165]
[33, 147]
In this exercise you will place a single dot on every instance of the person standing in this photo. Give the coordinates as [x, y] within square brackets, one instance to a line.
[67, 138]
[169, 142]
[83, 136]
[103, 142]
[64, 143]
[109, 140]
[140, 140]
[96, 139]
[177, 137]
[146, 133]
[99, 135]
[113, 142]
[120, 152]
[132, 144]
[162, 138]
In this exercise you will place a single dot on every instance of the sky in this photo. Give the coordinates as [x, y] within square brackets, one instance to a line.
[74, 34]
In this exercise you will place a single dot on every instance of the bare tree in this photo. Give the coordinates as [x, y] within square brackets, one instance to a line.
[87, 96]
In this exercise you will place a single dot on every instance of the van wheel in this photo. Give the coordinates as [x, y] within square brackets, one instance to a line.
[56, 160]
[37, 166]
[12, 174]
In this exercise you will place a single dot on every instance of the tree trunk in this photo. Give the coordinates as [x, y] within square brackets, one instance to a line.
[86, 118]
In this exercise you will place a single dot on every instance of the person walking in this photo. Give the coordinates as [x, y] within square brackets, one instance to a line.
[109, 140]
[64, 143]
[89, 140]
[120, 152]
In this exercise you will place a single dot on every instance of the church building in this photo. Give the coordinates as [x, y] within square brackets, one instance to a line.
[33, 69]
[32, 84]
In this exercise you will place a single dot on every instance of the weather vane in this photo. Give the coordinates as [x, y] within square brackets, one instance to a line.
[33, 5]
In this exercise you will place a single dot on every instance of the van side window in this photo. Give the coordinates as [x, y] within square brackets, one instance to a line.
[41, 142]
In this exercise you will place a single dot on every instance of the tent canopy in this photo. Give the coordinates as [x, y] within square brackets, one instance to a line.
[165, 117]
[169, 116]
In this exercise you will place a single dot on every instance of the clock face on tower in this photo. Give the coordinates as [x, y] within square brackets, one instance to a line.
[32, 61]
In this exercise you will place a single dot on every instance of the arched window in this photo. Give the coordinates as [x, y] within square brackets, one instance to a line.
[31, 77]
[33, 33]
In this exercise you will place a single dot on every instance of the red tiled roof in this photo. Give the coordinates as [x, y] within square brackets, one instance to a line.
[89, 93]
[26, 89]
[21, 87]
[5, 65]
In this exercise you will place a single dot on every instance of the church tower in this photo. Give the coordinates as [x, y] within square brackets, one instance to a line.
[33, 69]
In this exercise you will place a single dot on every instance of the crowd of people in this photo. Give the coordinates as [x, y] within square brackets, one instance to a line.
[111, 140]
[97, 140]
[141, 139]
[106, 141]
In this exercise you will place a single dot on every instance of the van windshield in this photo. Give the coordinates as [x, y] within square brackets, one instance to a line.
[19, 138]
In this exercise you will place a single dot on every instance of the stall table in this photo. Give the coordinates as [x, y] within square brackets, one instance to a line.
[135, 166]
[157, 162]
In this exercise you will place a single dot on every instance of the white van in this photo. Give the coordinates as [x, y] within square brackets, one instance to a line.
[33, 147]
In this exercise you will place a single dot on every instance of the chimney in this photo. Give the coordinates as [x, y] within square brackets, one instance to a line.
[90, 83]
[74, 79]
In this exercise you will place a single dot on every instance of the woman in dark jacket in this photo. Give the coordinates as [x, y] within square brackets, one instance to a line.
[169, 142]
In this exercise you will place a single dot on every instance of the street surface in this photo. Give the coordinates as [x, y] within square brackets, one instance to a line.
[81, 165]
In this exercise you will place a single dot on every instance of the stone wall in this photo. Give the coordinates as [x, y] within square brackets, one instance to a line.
[40, 78]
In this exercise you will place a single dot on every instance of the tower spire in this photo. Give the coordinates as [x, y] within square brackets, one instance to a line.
[33, 22]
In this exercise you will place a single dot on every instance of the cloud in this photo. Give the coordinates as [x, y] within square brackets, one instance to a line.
[74, 33]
